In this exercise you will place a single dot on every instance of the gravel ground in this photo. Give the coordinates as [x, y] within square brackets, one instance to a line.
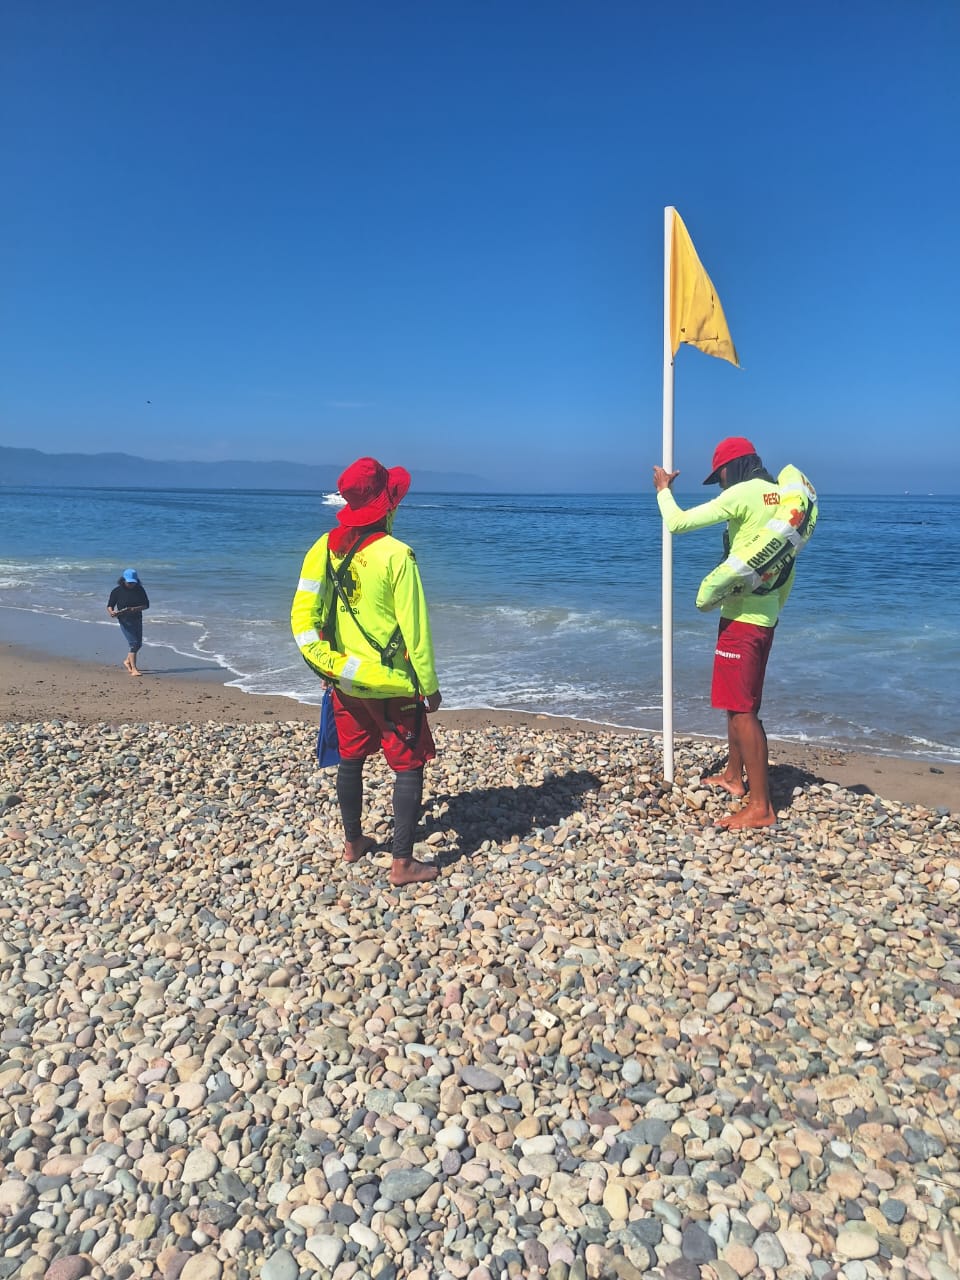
[611, 1040]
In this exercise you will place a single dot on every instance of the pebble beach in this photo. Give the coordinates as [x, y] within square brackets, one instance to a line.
[611, 1040]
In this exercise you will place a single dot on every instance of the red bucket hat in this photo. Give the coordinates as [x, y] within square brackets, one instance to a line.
[726, 451]
[370, 491]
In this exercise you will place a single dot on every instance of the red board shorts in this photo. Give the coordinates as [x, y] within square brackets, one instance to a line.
[398, 725]
[739, 665]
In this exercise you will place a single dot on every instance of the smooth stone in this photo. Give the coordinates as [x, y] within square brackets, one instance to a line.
[769, 1251]
[280, 1266]
[541, 1144]
[190, 1094]
[328, 1250]
[199, 1165]
[854, 1270]
[615, 1201]
[202, 1266]
[480, 1078]
[719, 1001]
[857, 1240]
[14, 1194]
[740, 1257]
[67, 1268]
[893, 1209]
[363, 1236]
[669, 1212]
[697, 1245]
[405, 1184]
[451, 1138]
[535, 1255]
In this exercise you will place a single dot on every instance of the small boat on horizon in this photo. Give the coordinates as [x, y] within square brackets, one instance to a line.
[334, 500]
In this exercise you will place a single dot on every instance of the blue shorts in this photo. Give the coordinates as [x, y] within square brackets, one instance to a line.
[132, 627]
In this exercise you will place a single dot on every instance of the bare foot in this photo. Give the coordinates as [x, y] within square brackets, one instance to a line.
[410, 871]
[749, 816]
[735, 787]
[134, 671]
[353, 850]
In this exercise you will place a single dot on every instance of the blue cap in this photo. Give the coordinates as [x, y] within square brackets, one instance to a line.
[130, 575]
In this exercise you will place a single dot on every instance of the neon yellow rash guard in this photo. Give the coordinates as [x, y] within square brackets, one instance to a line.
[746, 507]
[386, 592]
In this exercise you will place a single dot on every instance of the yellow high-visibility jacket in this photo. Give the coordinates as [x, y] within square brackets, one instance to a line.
[746, 507]
[385, 591]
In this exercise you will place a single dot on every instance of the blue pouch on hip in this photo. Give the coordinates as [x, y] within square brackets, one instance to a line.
[328, 744]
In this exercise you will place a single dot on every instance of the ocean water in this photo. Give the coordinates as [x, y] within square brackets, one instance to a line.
[540, 604]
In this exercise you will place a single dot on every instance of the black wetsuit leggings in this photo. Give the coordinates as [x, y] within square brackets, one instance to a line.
[407, 797]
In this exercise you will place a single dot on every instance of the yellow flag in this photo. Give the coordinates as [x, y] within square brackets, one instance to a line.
[696, 316]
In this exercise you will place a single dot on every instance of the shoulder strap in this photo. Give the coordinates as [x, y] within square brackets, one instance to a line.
[388, 651]
[330, 622]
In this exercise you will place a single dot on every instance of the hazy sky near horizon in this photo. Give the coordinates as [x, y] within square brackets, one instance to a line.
[433, 232]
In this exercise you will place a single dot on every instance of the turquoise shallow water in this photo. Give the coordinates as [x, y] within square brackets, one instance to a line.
[543, 604]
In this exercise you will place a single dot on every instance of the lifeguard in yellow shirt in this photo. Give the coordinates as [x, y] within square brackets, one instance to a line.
[768, 521]
[359, 617]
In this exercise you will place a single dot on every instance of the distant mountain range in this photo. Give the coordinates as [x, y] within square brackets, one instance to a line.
[123, 470]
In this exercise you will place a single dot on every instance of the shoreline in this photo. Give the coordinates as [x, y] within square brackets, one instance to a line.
[36, 686]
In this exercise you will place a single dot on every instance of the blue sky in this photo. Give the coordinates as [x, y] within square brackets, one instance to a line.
[433, 232]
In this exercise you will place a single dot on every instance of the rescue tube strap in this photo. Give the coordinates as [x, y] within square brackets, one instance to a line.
[764, 561]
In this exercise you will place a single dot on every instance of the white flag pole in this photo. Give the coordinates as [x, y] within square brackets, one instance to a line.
[667, 569]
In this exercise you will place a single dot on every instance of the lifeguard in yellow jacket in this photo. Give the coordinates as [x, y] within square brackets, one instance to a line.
[768, 520]
[359, 617]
